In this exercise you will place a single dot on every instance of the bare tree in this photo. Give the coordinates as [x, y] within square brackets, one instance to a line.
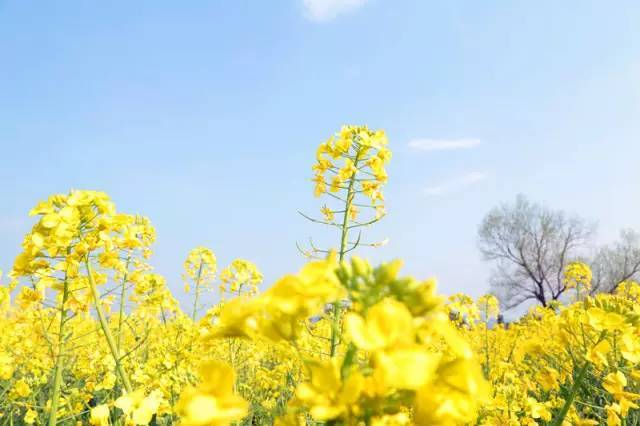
[617, 262]
[530, 245]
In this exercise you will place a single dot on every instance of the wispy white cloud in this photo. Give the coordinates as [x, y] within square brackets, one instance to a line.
[325, 10]
[455, 184]
[443, 144]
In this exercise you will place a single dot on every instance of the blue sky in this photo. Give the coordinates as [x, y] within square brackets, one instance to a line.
[205, 116]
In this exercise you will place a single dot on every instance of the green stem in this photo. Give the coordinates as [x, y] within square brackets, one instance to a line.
[344, 233]
[572, 394]
[197, 298]
[122, 296]
[106, 331]
[57, 380]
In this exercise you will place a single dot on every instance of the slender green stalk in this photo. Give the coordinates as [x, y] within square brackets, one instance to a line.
[197, 298]
[57, 380]
[106, 331]
[344, 234]
[123, 290]
[572, 394]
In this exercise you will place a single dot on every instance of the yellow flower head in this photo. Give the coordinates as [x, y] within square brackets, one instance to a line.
[100, 415]
[327, 395]
[241, 277]
[353, 162]
[577, 275]
[212, 403]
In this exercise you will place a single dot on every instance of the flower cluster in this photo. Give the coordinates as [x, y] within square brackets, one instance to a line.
[577, 275]
[352, 162]
[240, 277]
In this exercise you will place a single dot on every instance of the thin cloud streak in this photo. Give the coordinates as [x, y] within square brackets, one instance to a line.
[443, 144]
[326, 10]
[455, 184]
